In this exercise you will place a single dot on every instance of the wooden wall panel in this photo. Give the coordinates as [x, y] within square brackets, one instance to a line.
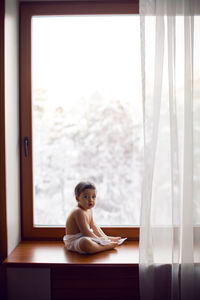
[95, 282]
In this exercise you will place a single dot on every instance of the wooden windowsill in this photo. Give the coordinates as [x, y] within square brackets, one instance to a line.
[53, 253]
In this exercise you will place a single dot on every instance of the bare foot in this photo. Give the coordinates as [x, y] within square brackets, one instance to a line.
[112, 245]
[89, 246]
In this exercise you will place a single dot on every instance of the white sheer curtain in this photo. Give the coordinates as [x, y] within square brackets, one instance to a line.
[170, 209]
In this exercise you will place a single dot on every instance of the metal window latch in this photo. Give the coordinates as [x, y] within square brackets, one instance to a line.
[26, 143]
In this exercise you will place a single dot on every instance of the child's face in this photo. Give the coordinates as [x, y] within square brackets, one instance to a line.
[87, 199]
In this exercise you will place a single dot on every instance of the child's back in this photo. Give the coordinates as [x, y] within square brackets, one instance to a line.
[71, 225]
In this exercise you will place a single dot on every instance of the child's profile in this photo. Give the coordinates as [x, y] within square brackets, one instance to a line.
[82, 234]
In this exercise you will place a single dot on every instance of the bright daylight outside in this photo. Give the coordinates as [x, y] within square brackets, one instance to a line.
[87, 116]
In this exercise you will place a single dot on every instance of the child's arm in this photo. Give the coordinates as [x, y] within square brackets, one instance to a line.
[99, 232]
[96, 229]
[82, 223]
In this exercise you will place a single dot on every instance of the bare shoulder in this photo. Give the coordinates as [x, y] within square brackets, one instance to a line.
[78, 212]
[71, 215]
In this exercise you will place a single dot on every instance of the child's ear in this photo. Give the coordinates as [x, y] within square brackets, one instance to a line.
[77, 198]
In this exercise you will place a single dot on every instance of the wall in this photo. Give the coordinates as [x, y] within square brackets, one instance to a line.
[29, 283]
[3, 225]
[12, 123]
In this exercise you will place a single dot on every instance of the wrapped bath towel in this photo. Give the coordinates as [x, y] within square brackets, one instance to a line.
[72, 242]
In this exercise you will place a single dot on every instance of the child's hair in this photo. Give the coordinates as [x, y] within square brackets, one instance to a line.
[82, 186]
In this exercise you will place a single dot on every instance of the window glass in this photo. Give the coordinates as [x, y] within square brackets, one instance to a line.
[87, 116]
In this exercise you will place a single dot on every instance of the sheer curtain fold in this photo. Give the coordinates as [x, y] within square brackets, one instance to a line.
[170, 209]
[169, 7]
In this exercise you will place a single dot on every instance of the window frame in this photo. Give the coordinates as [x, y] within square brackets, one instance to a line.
[27, 11]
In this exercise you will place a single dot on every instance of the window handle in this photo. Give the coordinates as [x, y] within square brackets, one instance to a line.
[26, 142]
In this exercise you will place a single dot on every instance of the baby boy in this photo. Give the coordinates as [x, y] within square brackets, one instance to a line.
[82, 234]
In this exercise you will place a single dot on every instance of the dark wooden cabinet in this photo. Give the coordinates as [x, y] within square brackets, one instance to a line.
[95, 282]
[45, 270]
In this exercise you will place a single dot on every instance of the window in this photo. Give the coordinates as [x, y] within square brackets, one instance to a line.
[72, 122]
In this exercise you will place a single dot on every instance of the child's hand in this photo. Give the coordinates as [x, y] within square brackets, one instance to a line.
[105, 241]
[114, 238]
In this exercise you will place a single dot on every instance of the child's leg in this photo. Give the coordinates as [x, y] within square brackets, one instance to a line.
[89, 246]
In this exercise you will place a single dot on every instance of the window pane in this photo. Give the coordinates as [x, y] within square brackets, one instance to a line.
[87, 116]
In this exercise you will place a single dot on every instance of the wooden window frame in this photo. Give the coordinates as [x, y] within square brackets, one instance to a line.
[27, 11]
